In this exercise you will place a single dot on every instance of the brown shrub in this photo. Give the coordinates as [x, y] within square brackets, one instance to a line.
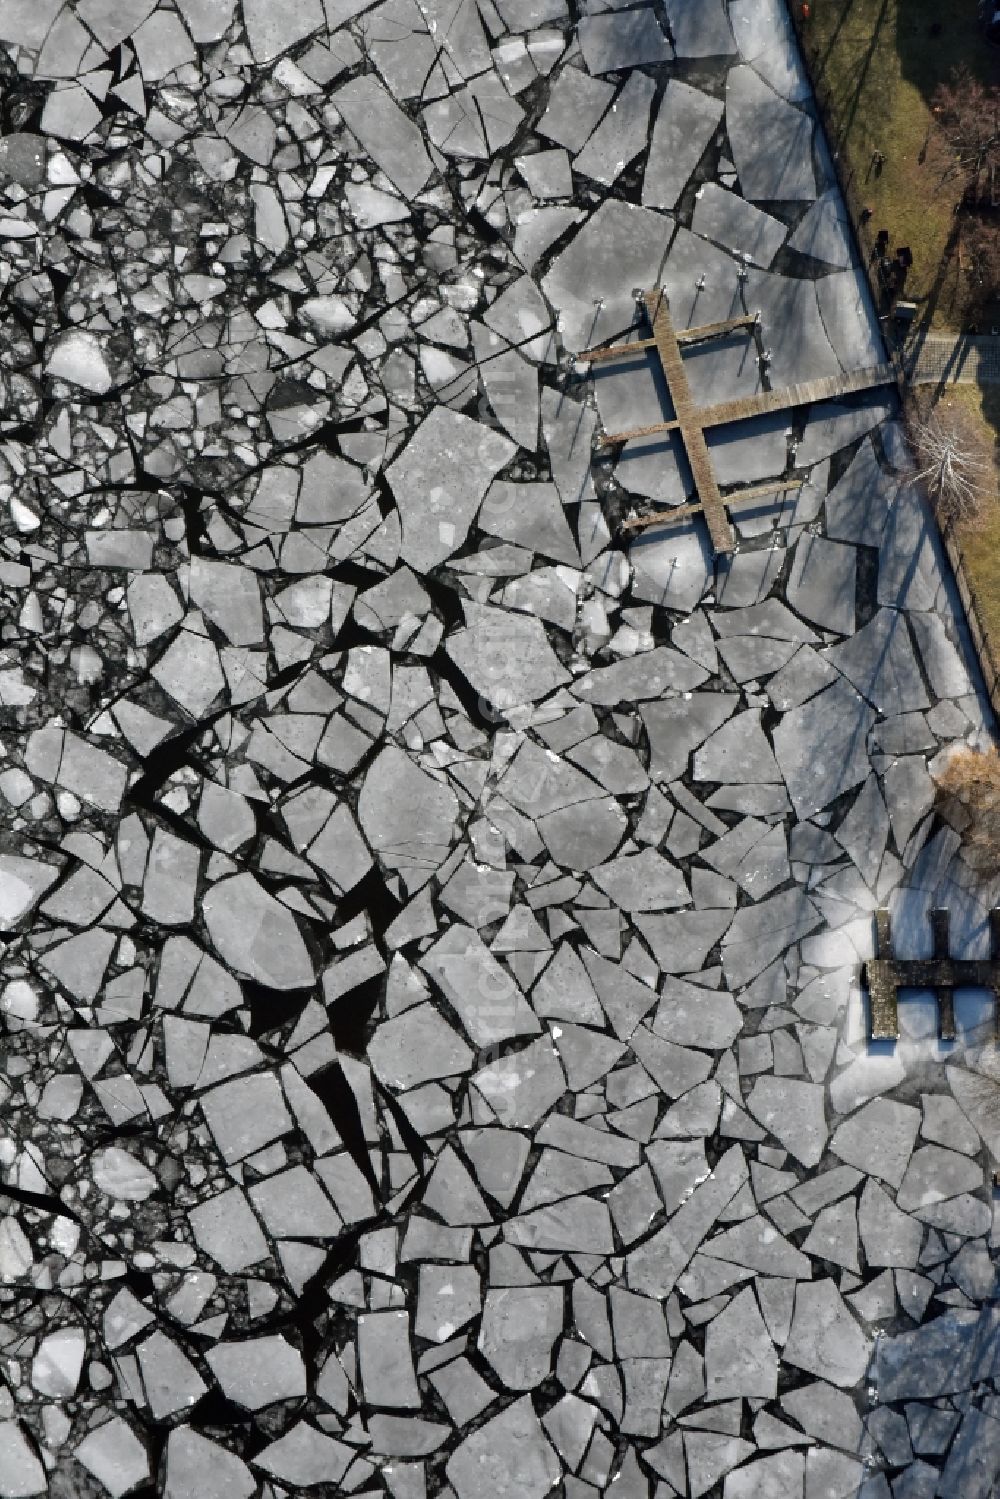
[981, 254]
[967, 114]
[968, 783]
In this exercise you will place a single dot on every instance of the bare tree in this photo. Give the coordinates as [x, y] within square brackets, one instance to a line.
[955, 462]
[981, 254]
[968, 116]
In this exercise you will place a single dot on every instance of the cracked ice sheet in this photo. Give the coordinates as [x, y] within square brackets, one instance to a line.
[754, 112]
[432, 927]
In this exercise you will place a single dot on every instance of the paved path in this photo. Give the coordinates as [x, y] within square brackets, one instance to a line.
[956, 358]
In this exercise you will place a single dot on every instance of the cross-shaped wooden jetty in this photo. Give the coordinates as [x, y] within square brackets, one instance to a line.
[692, 421]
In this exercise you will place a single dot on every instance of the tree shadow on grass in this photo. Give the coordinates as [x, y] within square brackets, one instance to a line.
[932, 39]
[945, 283]
[860, 77]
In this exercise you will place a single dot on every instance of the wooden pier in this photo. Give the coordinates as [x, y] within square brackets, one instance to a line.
[692, 421]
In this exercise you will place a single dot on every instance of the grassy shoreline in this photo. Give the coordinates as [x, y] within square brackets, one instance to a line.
[875, 65]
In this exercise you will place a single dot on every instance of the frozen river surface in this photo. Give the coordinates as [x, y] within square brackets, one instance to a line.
[434, 1062]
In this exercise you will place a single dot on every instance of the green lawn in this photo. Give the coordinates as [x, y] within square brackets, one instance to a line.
[980, 544]
[876, 66]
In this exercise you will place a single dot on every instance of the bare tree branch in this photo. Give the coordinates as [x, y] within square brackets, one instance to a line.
[955, 463]
[981, 253]
[968, 118]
